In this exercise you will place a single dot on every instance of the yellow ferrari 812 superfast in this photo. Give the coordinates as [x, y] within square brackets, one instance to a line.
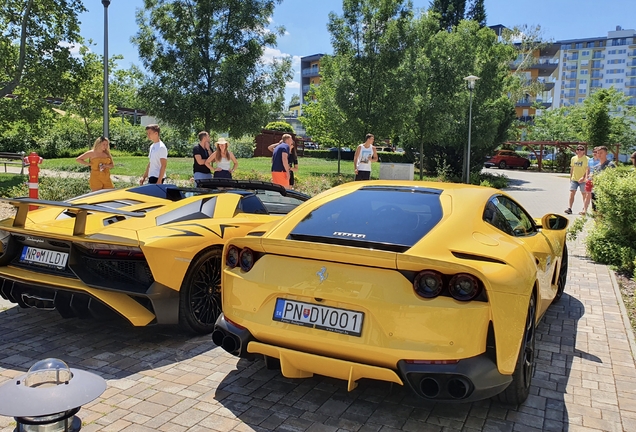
[151, 254]
[432, 285]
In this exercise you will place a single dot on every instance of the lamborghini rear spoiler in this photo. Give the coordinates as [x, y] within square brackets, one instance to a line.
[79, 210]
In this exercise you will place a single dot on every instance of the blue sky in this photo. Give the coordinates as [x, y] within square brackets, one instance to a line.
[306, 23]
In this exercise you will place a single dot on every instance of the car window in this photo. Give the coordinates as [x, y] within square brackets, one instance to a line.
[385, 218]
[508, 216]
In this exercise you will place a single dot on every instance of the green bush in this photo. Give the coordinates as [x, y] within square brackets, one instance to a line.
[243, 147]
[280, 126]
[612, 240]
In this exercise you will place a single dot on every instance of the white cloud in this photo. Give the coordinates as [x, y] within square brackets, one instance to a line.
[75, 48]
[292, 85]
[272, 53]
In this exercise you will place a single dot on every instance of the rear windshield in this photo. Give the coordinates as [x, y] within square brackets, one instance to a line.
[391, 219]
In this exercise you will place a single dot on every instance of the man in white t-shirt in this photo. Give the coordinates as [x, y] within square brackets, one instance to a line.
[365, 155]
[157, 157]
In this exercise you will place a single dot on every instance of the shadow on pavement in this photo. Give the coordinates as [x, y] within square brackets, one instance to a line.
[265, 400]
[519, 185]
[113, 350]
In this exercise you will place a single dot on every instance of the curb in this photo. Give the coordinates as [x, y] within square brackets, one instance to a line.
[624, 314]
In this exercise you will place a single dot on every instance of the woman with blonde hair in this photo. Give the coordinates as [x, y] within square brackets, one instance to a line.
[222, 158]
[100, 161]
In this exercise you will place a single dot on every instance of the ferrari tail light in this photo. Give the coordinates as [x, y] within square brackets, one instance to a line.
[246, 259]
[428, 284]
[232, 256]
[464, 287]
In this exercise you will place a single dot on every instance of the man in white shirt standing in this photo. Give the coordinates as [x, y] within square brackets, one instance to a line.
[365, 155]
[158, 157]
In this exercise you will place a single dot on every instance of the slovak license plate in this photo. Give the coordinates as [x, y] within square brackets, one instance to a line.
[331, 319]
[44, 257]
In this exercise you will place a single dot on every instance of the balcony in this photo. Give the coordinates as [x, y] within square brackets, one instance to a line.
[597, 65]
[631, 53]
[598, 55]
[596, 85]
[569, 86]
[630, 83]
[573, 67]
[309, 72]
[306, 88]
[631, 73]
[596, 75]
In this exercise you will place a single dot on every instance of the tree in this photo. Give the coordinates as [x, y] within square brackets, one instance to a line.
[558, 124]
[451, 12]
[357, 88]
[34, 45]
[437, 123]
[597, 126]
[477, 12]
[206, 66]
[295, 100]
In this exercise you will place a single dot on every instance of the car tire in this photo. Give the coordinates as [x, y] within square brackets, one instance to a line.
[502, 165]
[519, 389]
[563, 275]
[200, 295]
[271, 363]
[526, 165]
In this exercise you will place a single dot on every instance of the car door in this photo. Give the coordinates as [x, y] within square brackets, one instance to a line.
[515, 221]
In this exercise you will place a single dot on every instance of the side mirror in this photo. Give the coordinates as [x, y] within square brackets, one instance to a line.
[554, 222]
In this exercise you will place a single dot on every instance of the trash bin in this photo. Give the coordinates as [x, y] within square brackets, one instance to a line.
[396, 171]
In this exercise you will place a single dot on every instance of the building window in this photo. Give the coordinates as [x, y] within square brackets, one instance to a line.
[585, 53]
[585, 72]
[581, 100]
[582, 91]
[578, 46]
[590, 45]
[583, 81]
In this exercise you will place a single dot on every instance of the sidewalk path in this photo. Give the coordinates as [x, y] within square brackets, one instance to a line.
[162, 380]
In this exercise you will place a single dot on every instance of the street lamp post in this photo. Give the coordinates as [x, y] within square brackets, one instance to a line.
[471, 86]
[106, 3]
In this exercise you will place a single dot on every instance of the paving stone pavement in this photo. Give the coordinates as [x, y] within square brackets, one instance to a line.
[162, 380]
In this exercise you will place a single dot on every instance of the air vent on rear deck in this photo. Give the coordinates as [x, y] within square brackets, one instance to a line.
[467, 256]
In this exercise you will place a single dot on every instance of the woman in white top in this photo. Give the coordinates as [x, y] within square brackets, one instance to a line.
[222, 158]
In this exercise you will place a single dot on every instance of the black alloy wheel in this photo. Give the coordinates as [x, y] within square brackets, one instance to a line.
[200, 296]
[563, 274]
[519, 389]
[502, 165]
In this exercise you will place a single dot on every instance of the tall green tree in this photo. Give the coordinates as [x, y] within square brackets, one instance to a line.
[477, 12]
[451, 12]
[609, 119]
[206, 65]
[437, 123]
[359, 82]
[35, 43]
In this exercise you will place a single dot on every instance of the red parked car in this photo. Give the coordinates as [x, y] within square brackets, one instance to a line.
[507, 158]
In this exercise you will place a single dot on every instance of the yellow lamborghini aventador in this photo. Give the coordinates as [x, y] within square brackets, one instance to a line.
[151, 254]
[434, 285]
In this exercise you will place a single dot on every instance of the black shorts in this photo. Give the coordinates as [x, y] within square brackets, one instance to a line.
[153, 180]
[363, 175]
[291, 178]
[225, 174]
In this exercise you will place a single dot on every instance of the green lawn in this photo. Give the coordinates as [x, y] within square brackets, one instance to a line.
[181, 168]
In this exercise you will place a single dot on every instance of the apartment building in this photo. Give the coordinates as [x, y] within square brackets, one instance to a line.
[542, 68]
[595, 63]
[309, 74]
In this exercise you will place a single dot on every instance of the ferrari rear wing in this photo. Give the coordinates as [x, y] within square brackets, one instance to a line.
[79, 210]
